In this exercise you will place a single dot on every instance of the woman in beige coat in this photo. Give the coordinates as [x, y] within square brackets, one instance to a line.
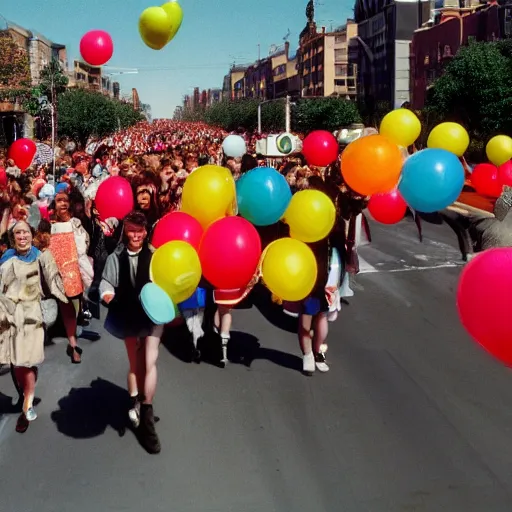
[24, 273]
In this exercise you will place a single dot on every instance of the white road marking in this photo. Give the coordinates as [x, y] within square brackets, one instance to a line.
[407, 268]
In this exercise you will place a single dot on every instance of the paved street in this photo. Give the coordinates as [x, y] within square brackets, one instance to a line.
[413, 416]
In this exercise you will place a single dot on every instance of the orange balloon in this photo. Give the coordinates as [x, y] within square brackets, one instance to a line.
[371, 165]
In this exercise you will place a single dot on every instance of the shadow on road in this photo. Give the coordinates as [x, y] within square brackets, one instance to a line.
[273, 313]
[87, 412]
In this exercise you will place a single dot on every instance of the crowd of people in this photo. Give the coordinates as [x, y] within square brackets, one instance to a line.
[59, 258]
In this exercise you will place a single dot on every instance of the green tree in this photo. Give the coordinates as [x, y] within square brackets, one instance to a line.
[475, 89]
[83, 114]
[324, 114]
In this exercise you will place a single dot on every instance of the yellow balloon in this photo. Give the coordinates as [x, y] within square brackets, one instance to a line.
[175, 13]
[401, 126]
[176, 268]
[311, 215]
[209, 194]
[449, 136]
[499, 149]
[289, 269]
[155, 27]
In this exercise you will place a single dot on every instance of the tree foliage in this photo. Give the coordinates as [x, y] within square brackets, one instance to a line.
[475, 89]
[307, 115]
[83, 114]
[325, 114]
[14, 63]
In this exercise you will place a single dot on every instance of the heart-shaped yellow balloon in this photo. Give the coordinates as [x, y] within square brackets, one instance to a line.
[175, 13]
[155, 25]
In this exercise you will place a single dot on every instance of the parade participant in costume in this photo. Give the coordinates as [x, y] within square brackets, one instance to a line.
[125, 274]
[69, 244]
[26, 277]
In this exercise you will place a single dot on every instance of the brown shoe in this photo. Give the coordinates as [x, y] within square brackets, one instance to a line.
[147, 435]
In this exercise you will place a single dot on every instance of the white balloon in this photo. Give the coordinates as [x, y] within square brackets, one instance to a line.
[234, 146]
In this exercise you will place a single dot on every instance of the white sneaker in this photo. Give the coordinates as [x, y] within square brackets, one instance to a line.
[308, 364]
[320, 363]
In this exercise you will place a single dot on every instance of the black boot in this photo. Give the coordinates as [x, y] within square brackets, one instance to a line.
[148, 437]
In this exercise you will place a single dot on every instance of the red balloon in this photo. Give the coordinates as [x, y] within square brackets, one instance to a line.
[177, 226]
[3, 178]
[485, 180]
[96, 47]
[388, 208]
[230, 253]
[483, 300]
[320, 148]
[22, 152]
[114, 198]
[505, 174]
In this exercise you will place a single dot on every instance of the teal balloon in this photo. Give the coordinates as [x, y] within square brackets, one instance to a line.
[263, 195]
[432, 179]
[157, 304]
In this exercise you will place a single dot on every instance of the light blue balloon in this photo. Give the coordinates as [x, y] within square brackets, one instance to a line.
[431, 180]
[157, 304]
[263, 195]
[234, 146]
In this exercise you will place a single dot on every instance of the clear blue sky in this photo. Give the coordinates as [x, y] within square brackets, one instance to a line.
[214, 34]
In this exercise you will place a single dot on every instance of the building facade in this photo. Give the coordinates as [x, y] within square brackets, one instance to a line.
[385, 31]
[285, 73]
[323, 61]
[435, 44]
[234, 86]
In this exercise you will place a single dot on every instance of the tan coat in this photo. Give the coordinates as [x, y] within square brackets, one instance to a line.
[21, 318]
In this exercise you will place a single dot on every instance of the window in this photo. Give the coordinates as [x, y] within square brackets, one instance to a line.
[340, 54]
[340, 69]
[340, 39]
[351, 82]
[339, 83]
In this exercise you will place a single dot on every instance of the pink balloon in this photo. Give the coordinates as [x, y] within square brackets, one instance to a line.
[96, 47]
[177, 226]
[388, 208]
[320, 148]
[505, 173]
[114, 198]
[484, 296]
[22, 152]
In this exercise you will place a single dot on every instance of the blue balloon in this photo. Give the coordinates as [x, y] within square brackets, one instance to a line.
[197, 301]
[263, 195]
[431, 180]
[157, 304]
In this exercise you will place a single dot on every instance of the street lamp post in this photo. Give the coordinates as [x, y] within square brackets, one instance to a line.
[288, 105]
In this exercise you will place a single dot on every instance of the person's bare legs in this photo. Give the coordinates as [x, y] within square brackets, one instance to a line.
[306, 344]
[135, 378]
[320, 332]
[152, 345]
[68, 313]
[149, 356]
[26, 378]
[222, 322]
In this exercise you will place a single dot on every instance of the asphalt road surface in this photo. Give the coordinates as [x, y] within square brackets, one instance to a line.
[413, 415]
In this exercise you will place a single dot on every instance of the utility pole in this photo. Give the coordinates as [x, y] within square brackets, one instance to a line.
[288, 115]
